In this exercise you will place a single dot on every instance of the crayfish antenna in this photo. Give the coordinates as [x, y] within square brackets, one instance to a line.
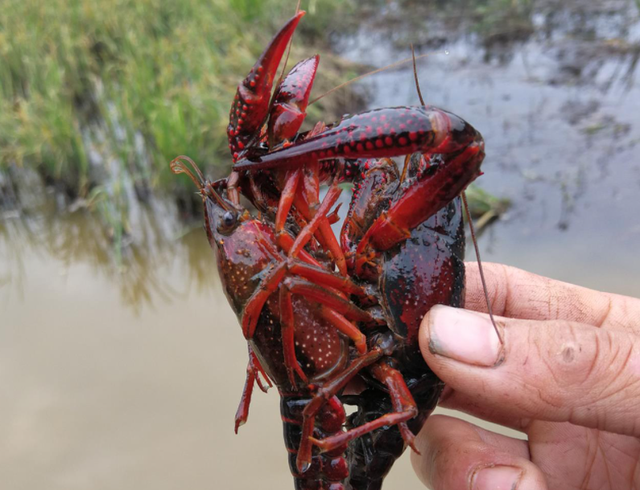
[415, 75]
[205, 189]
[372, 72]
[469, 220]
[178, 166]
[484, 283]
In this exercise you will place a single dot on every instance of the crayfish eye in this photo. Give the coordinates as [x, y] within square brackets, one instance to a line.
[228, 221]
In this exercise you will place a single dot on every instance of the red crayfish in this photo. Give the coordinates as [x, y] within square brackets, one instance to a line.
[319, 312]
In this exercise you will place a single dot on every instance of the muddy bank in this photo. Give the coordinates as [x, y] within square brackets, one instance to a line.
[557, 105]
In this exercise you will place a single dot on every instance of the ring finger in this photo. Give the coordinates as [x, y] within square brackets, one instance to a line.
[456, 455]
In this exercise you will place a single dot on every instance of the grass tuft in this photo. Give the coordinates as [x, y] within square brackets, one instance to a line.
[95, 91]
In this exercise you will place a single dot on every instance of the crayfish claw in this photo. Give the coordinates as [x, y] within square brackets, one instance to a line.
[251, 104]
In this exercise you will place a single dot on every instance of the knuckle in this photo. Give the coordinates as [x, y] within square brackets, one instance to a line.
[572, 356]
[584, 364]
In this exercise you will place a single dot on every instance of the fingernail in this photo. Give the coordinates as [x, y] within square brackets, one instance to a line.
[464, 336]
[496, 478]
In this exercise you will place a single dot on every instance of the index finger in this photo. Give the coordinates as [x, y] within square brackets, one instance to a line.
[515, 293]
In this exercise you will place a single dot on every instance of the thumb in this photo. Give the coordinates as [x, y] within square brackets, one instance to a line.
[554, 370]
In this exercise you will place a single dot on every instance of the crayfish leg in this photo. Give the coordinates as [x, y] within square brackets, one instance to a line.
[328, 298]
[379, 133]
[402, 402]
[328, 279]
[318, 222]
[329, 389]
[321, 215]
[288, 336]
[303, 192]
[254, 370]
[334, 307]
[286, 201]
[254, 305]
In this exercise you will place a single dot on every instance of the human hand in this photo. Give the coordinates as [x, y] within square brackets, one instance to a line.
[568, 376]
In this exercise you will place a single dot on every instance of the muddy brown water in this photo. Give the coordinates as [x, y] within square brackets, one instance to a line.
[127, 375]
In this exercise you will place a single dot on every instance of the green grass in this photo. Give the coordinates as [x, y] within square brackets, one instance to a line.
[485, 207]
[84, 76]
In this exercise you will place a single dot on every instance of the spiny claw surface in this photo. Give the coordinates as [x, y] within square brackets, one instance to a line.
[290, 101]
[251, 103]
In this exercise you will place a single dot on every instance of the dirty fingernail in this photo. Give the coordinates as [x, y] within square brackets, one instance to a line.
[496, 478]
[463, 335]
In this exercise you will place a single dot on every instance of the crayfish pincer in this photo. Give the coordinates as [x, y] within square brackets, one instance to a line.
[319, 312]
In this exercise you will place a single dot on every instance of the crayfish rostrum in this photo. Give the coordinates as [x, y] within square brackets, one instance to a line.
[319, 312]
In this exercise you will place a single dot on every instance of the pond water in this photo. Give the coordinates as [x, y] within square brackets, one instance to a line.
[126, 373]
[560, 114]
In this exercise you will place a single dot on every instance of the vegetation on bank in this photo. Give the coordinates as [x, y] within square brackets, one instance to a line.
[94, 92]
[97, 96]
